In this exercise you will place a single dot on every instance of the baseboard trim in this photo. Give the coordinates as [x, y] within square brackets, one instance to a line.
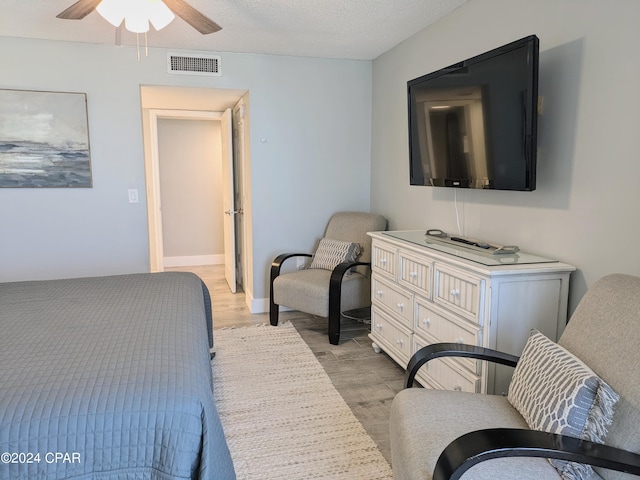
[256, 305]
[193, 260]
[260, 305]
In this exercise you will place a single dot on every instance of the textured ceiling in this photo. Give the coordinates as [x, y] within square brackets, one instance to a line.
[353, 29]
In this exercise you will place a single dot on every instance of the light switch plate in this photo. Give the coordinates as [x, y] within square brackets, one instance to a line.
[133, 195]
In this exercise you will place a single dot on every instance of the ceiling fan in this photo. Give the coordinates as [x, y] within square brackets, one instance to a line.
[182, 9]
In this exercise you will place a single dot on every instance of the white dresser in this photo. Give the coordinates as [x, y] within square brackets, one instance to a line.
[424, 291]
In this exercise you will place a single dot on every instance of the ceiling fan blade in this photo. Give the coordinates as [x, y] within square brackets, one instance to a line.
[79, 10]
[192, 16]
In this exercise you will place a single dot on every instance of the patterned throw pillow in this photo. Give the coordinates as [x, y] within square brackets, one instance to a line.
[556, 392]
[331, 253]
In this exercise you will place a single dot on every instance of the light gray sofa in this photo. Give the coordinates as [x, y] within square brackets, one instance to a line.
[603, 332]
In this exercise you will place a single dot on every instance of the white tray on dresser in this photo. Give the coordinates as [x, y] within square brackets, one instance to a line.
[424, 291]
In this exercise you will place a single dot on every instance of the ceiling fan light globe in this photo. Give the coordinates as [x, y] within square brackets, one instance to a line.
[136, 24]
[159, 14]
[112, 11]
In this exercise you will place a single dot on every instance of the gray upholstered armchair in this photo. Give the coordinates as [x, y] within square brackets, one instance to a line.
[449, 435]
[331, 285]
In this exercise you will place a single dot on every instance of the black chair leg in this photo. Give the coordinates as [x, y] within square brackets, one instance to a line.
[273, 308]
[334, 329]
[273, 313]
[335, 299]
[335, 290]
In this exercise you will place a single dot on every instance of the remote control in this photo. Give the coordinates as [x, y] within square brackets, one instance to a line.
[469, 242]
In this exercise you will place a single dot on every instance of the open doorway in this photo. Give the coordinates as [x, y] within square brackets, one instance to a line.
[186, 210]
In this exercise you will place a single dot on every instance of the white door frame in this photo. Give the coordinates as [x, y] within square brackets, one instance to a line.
[152, 169]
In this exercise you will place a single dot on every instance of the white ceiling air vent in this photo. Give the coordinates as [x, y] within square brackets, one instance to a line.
[194, 64]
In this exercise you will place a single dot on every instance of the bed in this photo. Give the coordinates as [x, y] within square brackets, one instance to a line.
[109, 377]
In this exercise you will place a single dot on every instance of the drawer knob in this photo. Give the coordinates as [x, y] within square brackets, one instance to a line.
[400, 306]
[413, 274]
[379, 293]
[454, 292]
[457, 388]
[383, 261]
[399, 342]
[426, 322]
[459, 340]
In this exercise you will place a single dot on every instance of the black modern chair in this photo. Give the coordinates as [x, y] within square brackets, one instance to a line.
[338, 278]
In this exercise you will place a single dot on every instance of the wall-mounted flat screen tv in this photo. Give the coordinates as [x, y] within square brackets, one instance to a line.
[473, 124]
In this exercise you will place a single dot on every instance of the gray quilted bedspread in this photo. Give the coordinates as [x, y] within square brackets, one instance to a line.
[108, 377]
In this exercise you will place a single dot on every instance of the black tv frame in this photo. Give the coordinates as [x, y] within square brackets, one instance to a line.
[530, 104]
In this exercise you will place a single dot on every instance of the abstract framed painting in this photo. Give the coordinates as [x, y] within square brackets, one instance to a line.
[44, 140]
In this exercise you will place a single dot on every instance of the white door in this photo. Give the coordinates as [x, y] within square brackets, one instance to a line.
[239, 191]
[228, 204]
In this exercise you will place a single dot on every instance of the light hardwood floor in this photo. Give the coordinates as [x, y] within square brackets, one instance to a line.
[367, 381]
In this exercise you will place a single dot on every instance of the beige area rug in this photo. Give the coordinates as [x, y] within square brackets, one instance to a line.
[281, 414]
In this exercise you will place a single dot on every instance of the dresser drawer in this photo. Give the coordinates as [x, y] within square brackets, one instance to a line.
[445, 373]
[415, 273]
[458, 292]
[438, 325]
[383, 258]
[393, 338]
[397, 301]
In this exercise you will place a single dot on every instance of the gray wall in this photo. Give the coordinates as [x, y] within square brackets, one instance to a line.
[310, 134]
[585, 208]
